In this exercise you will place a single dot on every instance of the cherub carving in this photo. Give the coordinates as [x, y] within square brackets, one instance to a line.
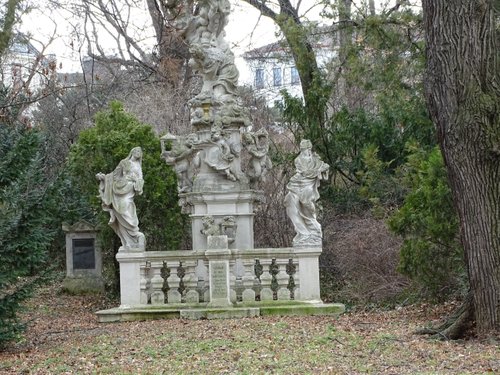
[257, 145]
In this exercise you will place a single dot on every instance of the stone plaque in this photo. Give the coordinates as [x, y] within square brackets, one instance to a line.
[219, 281]
[83, 254]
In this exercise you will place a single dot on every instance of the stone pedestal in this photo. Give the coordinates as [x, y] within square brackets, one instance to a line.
[218, 271]
[219, 204]
[309, 274]
[130, 277]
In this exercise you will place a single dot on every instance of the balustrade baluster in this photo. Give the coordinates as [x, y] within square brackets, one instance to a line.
[266, 293]
[191, 282]
[292, 270]
[248, 280]
[202, 275]
[173, 294]
[145, 282]
[282, 279]
[157, 295]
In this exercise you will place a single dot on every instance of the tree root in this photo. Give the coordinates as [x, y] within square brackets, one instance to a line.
[454, 327]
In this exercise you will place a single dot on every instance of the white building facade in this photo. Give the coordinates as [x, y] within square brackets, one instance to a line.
[23, 68]
[272, 69]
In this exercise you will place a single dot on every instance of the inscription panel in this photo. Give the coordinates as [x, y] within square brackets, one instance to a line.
[83, 254]
[218, 281]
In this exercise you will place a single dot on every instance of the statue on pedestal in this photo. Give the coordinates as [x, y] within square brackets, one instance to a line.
[211, 55]
[117, 191]
[183, 158]
[303, 194]
[257, 145]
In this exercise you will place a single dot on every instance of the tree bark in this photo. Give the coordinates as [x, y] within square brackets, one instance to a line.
[172, 51]
[463, 98]
[7, 23]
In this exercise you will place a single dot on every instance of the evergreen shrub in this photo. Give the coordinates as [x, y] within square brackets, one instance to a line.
[100, 149]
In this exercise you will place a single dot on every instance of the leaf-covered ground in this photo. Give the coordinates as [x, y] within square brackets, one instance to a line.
[64, 338]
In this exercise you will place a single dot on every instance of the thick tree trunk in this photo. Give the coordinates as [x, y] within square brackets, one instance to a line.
[463, 96]
[172, 51]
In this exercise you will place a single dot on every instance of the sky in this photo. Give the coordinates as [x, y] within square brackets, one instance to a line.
[246, 30]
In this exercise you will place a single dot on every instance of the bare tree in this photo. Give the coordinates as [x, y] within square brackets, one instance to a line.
[146, 39]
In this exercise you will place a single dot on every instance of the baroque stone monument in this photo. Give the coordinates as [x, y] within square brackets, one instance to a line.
[223, 275]
[83, 259]
[208, 161]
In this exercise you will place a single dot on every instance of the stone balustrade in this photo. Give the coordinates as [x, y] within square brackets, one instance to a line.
[173, 278]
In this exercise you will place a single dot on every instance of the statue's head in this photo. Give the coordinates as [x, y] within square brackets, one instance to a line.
[305, 144]
[247, 139]
[135, 153]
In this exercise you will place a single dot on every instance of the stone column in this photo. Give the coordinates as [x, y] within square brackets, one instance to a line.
[130, 277]
[308, 274]
[218, 267]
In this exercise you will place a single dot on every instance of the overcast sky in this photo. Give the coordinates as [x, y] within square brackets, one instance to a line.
[246, 30]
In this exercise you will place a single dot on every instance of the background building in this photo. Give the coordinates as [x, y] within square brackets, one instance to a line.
[272, 68]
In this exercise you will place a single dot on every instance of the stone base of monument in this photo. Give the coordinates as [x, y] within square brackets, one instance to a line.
[83, 285]
[220, 313]
[219, 283]
[292, 308]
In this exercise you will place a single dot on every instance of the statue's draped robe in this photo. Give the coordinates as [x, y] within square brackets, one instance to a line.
[301, 197]
[117, 193]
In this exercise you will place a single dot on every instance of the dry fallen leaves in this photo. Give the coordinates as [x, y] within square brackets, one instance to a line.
[63, 337]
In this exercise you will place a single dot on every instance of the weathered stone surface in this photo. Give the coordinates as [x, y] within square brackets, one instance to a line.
[228, 313]
[283, 294]
[248, 295]
[117, 191]
[303, 194]
[83, 259]
[266, 294]
[192, 296]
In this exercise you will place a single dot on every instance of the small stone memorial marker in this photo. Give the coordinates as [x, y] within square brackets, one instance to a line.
[83, 259]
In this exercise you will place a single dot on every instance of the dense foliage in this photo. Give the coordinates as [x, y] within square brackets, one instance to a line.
[371, 99]
[100, 149]
[431, 253]
[379, 141]
[34, 200]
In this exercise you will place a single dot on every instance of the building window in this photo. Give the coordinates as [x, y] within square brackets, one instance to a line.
[277, 76]
[294, 76]
[259, 78]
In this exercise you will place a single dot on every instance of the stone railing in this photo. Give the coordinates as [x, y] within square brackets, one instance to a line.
[173, 278]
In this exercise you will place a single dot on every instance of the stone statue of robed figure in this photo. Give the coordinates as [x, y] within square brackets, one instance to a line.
[303, 194]
[117, 191]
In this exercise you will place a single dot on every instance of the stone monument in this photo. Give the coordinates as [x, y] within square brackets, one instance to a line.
[83, 259]
[223, 275]
[208, 161]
